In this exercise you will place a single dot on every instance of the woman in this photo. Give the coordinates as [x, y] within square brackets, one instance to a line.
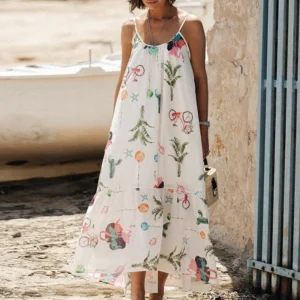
[147, 224]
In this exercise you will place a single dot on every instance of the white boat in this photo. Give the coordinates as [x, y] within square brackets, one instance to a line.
[54, 120]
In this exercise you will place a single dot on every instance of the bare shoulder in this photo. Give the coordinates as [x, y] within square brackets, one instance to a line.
[193, 28]
[128, 28]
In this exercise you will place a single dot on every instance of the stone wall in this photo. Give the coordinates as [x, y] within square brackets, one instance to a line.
[232, 45]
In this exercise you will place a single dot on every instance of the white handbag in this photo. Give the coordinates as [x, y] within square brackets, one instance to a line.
[211, 183]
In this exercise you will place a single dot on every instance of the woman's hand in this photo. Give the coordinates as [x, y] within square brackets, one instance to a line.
[204, 139]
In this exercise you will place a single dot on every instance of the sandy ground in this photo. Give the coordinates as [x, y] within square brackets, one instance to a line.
[40, 223]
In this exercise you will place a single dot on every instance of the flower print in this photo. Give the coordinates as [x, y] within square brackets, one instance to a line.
[175, 46]
[203, 272]
[115, 236]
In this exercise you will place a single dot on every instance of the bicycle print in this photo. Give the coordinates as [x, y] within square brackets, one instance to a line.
[138, 71]
[90, 238]
[184, 197]
[185, 119]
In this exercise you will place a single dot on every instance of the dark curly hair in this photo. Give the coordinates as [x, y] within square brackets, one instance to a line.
[140, 5]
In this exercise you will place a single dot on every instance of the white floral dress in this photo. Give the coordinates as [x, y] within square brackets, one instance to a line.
[149, 211]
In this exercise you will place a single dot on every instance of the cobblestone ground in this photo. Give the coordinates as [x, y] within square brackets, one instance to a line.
[40, 221]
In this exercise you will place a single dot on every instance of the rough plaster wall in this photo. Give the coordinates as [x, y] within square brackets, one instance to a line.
[232, 68]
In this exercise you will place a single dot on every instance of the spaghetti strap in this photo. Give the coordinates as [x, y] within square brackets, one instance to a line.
[134, 20]
[136, 31]
[183, 22]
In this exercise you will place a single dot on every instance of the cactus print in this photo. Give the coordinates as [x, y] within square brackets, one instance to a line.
[112, 166]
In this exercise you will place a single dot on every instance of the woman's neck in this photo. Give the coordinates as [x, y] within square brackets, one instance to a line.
[160, 12]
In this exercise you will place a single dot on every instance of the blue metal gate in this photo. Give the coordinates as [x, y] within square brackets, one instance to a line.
[276, 262]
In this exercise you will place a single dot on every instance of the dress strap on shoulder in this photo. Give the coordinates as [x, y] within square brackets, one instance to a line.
[183, 22]
[135, 27]
[136, 34]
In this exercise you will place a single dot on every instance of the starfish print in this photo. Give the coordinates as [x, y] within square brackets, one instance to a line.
[185, 239]
[134, 97]
[198, 194]
[169, 199]
[145, 197]
[128, 153]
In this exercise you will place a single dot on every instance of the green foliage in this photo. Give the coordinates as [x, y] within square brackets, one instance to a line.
[179, 153]
[174, 259]
[140, 130]
[149, 264]
[158, 96]
[166, 226]
[201, 219]
[157, 211]
[172, 75]
[100, 185]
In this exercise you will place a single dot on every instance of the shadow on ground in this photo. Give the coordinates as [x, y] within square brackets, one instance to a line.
[47, 196]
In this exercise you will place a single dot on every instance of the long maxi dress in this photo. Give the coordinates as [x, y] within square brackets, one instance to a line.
[149, 211]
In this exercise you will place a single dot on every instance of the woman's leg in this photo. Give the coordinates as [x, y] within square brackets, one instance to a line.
[162, 278]
[137, 285]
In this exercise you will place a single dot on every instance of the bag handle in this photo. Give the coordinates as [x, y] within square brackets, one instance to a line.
[206, 164]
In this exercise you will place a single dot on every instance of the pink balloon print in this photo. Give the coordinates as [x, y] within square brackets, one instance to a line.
[161, 149]
[104, 210]
[176, 52]
[153, 241]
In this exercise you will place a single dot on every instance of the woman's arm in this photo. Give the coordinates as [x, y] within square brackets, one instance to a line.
[127, 32]
[195, 36]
